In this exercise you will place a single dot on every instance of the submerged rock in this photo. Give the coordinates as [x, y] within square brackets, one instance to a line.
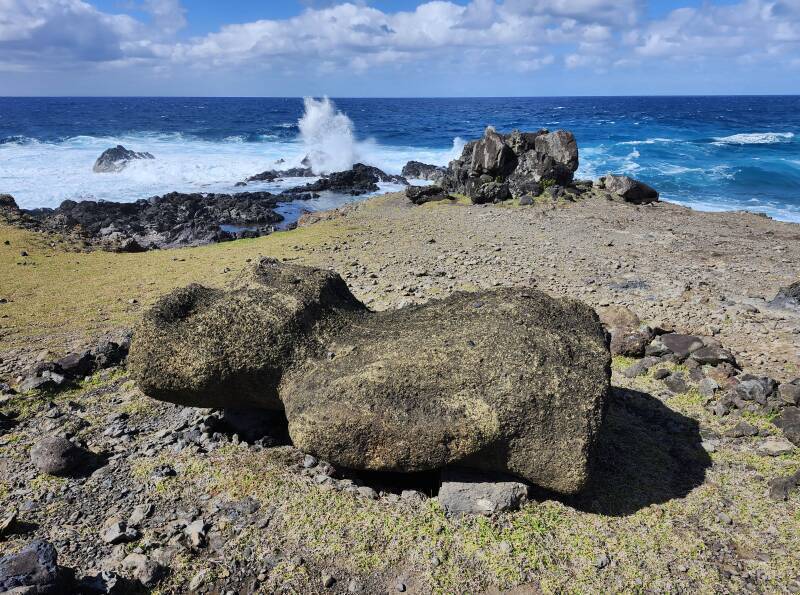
[116, 159]
[408, 390]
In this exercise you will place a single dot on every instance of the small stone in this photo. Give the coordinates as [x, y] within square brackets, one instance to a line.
[400, 587]
[676, 383]
[197, 531]
[775, 447]
[790, 393]
[741, 430]
[789, 422]
[368, 492]
[781, 487]
[140, 513]
[7, 521]
[602, 561]
[464, 492]
[23, 253]
[713, 356]
[708, 387]
[309, 461]
[724, 519]
[145, 570]
[198, 580]
[661, 373]
[328, 581]
[119, 532]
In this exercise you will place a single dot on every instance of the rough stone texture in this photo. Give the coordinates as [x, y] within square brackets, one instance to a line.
[630, 190]
[789, 422]
[168, 221]
[628, 336]
[681, 345]
[358, 180]
[213, 348]
[409, 390]
[32, 571]
[467, 492]
[427, 386]
[56, 456]
[116, 159]
[417, 170]
[422, 194]
[517, 164]
[787, 297]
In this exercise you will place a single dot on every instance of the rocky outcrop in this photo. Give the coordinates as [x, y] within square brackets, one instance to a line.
[628, 189]
[498, 166]
[273, 175]
[417, 170]
[422, 194]
[168, 221]
[116, 159]
[360, 179]
[409, 390]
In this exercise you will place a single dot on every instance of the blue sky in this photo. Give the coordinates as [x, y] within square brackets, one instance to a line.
[398, 47]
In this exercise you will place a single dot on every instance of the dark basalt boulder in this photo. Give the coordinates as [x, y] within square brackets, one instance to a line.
[168, 221]
[361, 179]
[408, 390]
[116, 159]
[628, 189]
[422, 194]
[522, 162]
[417, 170]
[34, 570]
[273, 175]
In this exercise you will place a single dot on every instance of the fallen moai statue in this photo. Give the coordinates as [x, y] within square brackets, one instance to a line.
[508, 380]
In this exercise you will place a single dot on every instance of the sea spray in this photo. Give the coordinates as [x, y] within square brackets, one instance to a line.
[328, 136]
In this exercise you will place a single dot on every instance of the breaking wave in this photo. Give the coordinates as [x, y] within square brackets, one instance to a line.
[755, 138]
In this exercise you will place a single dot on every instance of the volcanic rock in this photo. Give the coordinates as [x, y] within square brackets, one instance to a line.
[116, 159]
[468, 492]
[424, 385]
[422, 194]
[629, 190]
[423, 171]
[34, 570]
[57, 456]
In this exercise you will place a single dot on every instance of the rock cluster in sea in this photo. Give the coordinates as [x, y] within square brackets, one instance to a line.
[411, 390]
[521, 165]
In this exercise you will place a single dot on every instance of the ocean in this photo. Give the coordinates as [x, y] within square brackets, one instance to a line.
[710, 153]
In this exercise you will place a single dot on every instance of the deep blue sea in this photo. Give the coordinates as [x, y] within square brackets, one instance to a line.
[712, 153]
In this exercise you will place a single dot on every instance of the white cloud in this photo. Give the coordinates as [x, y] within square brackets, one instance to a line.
[495, 35]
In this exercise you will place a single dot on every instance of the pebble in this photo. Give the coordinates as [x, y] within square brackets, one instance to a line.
[328, 581]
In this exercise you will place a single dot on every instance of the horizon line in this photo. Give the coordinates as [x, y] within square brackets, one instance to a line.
[677, 95]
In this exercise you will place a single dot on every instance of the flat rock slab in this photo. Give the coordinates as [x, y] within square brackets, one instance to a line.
[469, 492]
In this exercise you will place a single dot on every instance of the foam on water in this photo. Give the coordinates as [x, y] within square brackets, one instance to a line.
[44, 174]
[755, 138]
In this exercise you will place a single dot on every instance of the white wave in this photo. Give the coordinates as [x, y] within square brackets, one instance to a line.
[754, 138]
[649, 141]
[328, 136]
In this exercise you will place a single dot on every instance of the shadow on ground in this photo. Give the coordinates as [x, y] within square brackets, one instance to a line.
[646, 454]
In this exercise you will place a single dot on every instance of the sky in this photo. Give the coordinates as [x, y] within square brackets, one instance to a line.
[399, 48]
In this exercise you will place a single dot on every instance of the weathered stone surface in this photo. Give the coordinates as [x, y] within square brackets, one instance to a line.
[115, 159]
[713, 355]
[787, 297]
[518, 164]
[408, 390]
[467, 492]
[789, 422]
[422, 194]
[34, 570]
[422, 171]
[629, 190]
[57, 456]
[681, 345]
[426, 387]
[213, 348]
